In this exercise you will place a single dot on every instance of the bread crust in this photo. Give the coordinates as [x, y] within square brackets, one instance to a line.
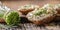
[25, 11]
[43, 21]
[2, 20]
[46, 20]
[58, 10]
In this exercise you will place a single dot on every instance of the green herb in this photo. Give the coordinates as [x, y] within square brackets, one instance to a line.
[27, 6]
[12, 18]
[1, 15]
[2, 12]
[41, 11]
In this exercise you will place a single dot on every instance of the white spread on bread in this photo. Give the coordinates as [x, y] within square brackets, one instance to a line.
[32, 15]
[57, 6]
[28, 7]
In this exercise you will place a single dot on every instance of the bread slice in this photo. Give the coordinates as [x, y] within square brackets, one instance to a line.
[27, 8]
[41, 18]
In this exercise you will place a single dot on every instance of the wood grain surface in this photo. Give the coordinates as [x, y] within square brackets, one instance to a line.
[16, 4]
[29, 26]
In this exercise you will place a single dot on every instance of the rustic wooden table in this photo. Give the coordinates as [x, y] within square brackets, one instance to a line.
[16, 4]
